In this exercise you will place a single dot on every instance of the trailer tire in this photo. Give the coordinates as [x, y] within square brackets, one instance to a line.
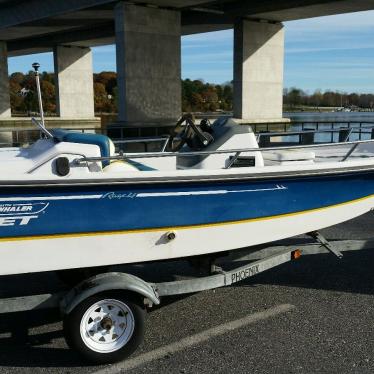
[105, 328]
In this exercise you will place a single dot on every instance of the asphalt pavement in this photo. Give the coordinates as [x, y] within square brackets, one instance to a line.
[314, 315]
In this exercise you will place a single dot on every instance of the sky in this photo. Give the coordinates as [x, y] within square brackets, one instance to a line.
[335, 52]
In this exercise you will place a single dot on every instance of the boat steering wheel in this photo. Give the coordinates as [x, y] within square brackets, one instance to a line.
[189, 134]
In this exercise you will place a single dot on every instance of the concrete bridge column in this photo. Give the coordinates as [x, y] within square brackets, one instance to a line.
[258, 71]
[4, 82]
[148, 45]
[74, 82]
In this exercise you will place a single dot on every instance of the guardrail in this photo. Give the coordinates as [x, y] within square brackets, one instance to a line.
[308, 136]
[23, 137]
[305, 130]
[361, 127]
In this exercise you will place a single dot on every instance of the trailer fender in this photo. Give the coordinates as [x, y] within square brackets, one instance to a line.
[108, 282]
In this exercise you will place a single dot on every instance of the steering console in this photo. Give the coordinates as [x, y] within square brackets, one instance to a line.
[196, 138]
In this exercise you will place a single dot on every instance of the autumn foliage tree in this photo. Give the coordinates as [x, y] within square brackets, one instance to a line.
[294, 97]
[23, 96]
[197, 95]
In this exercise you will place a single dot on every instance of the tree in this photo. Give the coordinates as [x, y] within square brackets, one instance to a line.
[197, 102]
[49, 96]
[210, 99]
[294, 96]
[197, 95]
[101, 96]
[17, 78]
[16, 99]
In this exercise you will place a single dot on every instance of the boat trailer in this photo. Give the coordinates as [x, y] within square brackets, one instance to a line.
[88, 308]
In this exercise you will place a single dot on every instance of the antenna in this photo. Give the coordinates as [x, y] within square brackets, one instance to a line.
[36, 67]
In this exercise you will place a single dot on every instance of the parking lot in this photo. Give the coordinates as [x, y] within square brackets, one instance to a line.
[312, 315]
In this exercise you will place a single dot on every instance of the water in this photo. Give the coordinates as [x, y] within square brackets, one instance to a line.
[332, 116]
[364, 122]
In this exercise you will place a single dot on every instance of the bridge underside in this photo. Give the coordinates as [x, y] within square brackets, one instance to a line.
[31, 26]
[36, 26]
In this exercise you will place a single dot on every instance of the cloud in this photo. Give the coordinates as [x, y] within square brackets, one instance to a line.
[209, 37]
[104, 49]
[344, 64]
[351, 31]
[209, 57]
[217, 75]
[327, 48]
[358, 21]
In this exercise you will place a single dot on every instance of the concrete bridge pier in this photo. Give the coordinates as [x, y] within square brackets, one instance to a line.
[74, 82]
[6, 137]
[258, 71]
[4, 82]
[148, 45]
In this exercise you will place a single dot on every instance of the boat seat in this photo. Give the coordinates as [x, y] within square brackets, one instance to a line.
[289, 157]
[106, 146]
[124, 166]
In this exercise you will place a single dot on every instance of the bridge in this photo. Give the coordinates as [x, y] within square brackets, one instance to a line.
[147, 35]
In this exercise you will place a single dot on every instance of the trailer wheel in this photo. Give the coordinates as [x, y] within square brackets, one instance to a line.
[105, 328]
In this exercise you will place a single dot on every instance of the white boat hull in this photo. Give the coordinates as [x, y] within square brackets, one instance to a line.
[23, 255]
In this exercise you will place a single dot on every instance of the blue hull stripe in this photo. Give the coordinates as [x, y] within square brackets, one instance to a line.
[56, 236]
[100, 209]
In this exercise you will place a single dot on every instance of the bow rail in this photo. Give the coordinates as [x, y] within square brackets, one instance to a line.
[125, 156]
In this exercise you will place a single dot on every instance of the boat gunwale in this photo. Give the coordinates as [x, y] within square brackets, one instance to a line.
[349, 169]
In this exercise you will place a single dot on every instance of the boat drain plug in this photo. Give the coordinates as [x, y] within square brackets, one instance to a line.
[171, 235]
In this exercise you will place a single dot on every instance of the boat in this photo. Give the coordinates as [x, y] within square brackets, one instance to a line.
[71, 201]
